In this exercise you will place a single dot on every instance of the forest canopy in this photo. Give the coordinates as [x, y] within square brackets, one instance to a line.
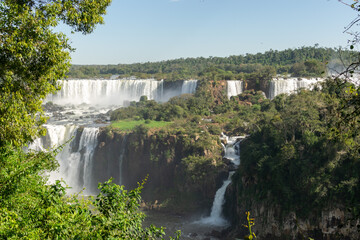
[300, 62]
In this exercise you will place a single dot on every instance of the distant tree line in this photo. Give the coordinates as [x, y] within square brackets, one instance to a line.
[299, 62]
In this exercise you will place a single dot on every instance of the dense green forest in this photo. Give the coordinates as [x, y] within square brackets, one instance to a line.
[303, 155]
[302, 152]
[299, 62]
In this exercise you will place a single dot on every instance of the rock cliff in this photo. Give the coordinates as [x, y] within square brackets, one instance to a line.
[272, 223]
[131, 157]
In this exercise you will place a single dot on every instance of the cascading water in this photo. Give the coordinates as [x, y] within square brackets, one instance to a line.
[290, 85]
[114, 92]
[121, 158]
[106, 92]
[189, 86]
[231, 153]
[234, 88]
[78, 124]
[75, 164]
[88, 142]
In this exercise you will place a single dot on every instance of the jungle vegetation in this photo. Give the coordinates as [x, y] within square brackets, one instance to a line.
[300, 152]
[299, 62]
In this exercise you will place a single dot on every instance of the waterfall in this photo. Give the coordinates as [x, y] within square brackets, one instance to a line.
[121, 158]
[189, 86]
[234, 88]
[88, 142]
[215, 217]
[176, 88]
[231, 153]
[75, 163]
[73, 129]
[106, 92]
[116, 91]
[290, 85]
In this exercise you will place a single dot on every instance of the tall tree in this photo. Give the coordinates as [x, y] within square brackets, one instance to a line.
[350, 94]
[33, 57]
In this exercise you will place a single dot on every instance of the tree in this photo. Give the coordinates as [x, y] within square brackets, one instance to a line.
[31, 209]
[347, 91]
[33, 57]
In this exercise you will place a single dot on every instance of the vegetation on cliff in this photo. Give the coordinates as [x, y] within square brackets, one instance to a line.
[207, 110]
[129, 125]
[301, 155]
[189, 150]
[191, 140]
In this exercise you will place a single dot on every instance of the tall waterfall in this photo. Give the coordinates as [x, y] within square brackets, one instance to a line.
[75, 159]
[232, 153]
[234, 88]
[114, 92]
[121, 157]
[189, 86]
[88, 142]
[290, 85]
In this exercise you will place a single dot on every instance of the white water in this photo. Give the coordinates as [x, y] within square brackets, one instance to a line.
[234, 88]
[231, 153]
[75, 166]
[76, 158]
[121, 158]
[232, 150]
[115, 92]
[216, 218]
[276, 86]
[88, 142]
[189, 86]
[290, 85]
[106, 92]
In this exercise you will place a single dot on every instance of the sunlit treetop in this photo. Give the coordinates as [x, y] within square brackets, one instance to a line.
[33, 57]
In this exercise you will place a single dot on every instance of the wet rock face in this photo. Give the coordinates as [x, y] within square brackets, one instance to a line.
[131, 158]
[333, 223]
[52, 107]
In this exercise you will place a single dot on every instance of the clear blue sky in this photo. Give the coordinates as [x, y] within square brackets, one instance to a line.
[155, 30]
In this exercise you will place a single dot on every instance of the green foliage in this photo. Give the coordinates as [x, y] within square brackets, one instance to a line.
[17, 169]
[129, 125]
[195, 168]
[30, 209]
[149, 110]
[119, 217]
[250, 66]
[309, 68]
[143, 98]
[250, 223]
[300, 157]
[176, 108]
[214, 129]
[33, 57]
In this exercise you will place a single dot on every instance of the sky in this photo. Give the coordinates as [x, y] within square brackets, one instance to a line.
[155, 30]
